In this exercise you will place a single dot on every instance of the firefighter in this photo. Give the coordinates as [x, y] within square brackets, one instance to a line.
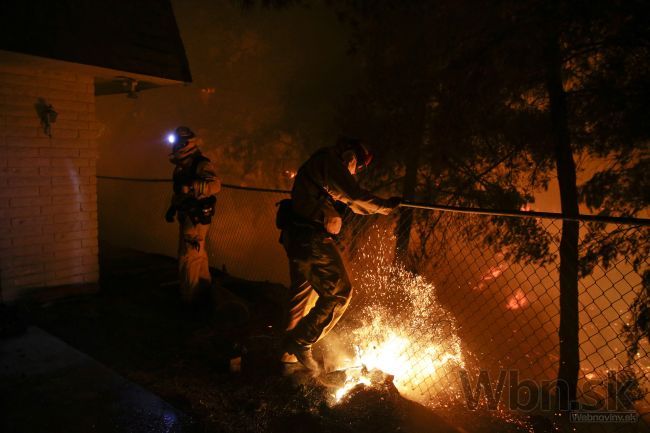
[310, 222]
[193, 204]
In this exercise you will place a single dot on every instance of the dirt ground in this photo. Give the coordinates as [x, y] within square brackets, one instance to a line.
[136, 326]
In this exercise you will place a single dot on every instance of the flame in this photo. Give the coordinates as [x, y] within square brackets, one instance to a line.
[517, 300]
[350, 382]
[404, 333]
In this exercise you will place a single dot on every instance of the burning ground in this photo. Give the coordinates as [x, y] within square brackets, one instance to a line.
[401, 331]
[135, 327]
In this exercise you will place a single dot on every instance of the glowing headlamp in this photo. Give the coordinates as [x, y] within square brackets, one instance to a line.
[171, 138]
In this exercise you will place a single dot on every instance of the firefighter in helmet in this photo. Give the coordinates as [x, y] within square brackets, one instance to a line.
[310, 222]
[193, 203]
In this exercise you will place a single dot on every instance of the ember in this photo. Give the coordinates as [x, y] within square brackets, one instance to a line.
[404, 332]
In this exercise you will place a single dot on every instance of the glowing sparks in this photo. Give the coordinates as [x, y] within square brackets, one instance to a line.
[415, 364]
[404, 333]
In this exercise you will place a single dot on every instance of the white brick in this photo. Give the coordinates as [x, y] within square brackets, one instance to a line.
[27, 241]
[24, 142]
[24, 271]
[29, 281]
[78, 252]
[75, 179]
[18, 202]
[60, 75]
[69, 162]
[48, 196]
[15, 121]
[72, 279]
[88, 171]
[89, 242]
[89, 207]
[92, 277]
[20, 79]
[90, 134]
[77, 198]
[11, 152]
[28, 181]
[23, 191]
[86, 116]
[61, 264]
[72, 217]
[73, 86]
[62, 246]
[58, 171]
[66, 133]
[31, 221]
[58, 209]
[18, 110]
[10, 232]
[19, 212]
[57, 190]
[59, 152]
[71, 143]
[75, 271]
[19, 171]
[63, 227]
[92, 224]
[75, 106]
[74, 235]
[25, 251]
[28, 162]
[20, 131]
[28, 260]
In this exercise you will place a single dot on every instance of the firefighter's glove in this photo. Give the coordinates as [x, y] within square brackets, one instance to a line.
[170, 214]
[394, 202]
[333, 224]
[390, 205]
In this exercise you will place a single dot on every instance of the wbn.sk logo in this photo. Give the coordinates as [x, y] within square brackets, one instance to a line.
[527, 395]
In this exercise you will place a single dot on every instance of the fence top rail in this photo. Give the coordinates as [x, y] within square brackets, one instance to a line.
[169, 180]
[439, 207]
[524, 214]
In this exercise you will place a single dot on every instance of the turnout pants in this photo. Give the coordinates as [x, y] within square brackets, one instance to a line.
[315, 264]
[193, 268]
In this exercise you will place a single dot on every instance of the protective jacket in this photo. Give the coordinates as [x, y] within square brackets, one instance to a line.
[324, 179]
[195, 184]
[315, 262]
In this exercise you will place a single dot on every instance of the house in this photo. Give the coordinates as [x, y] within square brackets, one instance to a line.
[56, 58]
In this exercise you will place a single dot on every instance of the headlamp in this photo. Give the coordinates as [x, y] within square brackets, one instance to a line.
[171, 138]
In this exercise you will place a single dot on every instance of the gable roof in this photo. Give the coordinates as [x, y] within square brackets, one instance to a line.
[136, 36]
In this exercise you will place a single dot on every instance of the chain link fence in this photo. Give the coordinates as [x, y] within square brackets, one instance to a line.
[436, 292]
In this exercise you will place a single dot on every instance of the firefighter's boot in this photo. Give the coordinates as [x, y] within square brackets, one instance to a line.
[303, 355]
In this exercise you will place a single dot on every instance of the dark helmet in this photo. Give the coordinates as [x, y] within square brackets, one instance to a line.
[183, 142]
[182, 135]
[361, 152]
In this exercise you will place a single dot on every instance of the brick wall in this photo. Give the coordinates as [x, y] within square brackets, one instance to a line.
[48, 198]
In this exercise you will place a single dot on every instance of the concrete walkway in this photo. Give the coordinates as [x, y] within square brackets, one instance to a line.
[48, 386]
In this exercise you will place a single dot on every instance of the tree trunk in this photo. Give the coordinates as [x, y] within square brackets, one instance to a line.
[566, 174]
[412, 162]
